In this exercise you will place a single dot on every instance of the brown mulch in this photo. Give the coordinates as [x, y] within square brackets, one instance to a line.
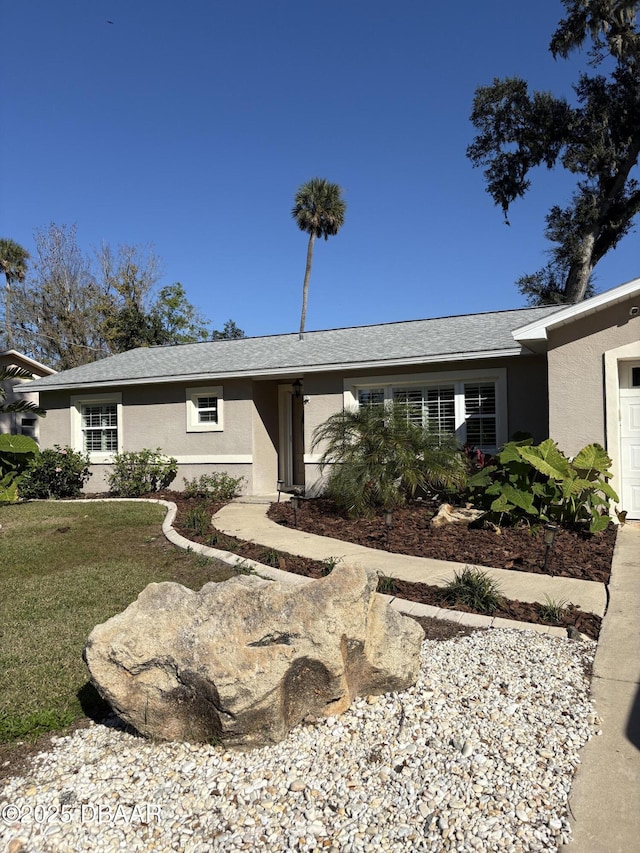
[575, 554]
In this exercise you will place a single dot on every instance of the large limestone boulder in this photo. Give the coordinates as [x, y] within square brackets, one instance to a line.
[243, 662]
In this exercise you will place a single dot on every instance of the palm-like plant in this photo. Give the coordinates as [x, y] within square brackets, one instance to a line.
[13, 264]
[379, 458]
[7, 375]
[319, 211]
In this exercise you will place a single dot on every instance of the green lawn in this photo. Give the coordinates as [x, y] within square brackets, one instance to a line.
[65, 567]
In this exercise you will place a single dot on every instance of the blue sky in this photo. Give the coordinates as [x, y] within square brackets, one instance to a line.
[189, 125]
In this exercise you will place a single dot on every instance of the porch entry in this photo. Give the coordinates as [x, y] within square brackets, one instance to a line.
[291, 444]
[630, 437]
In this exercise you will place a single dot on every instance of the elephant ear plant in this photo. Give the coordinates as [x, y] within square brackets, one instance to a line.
[539, 483]
[16, 454]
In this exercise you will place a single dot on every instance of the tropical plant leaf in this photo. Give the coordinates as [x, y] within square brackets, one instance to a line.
[607, 490]
[523, 500]
[598, 523]
[509, 453]
[547, 459]
[592, 461]
[18, 444]
[501, 504]
[9, 488]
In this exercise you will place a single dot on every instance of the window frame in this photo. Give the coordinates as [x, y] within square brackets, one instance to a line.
[440, 379]
[192, 410]
[77, 431]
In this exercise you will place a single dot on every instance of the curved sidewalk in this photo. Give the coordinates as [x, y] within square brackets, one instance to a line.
[246, 518]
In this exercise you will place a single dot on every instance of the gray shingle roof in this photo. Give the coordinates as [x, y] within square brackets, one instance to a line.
[411, 341]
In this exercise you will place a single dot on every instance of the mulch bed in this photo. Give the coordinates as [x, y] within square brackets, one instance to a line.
[574, 553]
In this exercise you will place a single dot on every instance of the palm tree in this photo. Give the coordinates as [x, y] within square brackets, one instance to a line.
[7, 375]
[378, 457]
[319, 210]
[13, 263]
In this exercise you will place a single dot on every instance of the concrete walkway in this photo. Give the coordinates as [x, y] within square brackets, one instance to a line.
[246, 518]
[605, 796]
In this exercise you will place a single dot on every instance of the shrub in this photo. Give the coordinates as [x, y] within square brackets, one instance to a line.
[17, 452]
[553, 609]
[218, 487]
[57, 472]
[386, 585]
[197, 519]
[540, 483]
[473, 588]
[379, 458]
[328, 565]
[136, 473]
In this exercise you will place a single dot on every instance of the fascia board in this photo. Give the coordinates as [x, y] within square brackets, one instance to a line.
[538, 331]
[29, 363]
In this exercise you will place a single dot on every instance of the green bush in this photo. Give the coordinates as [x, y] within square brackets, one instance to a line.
[379, 458]
[17, 452]
[552, 610]
[57, 472]
[539, 483]
[217, 487]
[474, 588]
[136, 473]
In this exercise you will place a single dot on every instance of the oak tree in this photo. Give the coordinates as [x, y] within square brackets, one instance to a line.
[595, 137]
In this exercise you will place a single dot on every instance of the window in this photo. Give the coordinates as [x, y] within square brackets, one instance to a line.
[411, 400]
[480, 414]
[204, 409]
[207, 410]
[371, 397]
[440, 406]
[100, 428]
[28, 427]
[466, 409]
[96, 425]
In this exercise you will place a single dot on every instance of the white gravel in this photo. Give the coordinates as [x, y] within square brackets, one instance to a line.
[478, 756]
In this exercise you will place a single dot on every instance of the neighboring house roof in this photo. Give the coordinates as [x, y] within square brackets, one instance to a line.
[18, 359]
[487, 335]
[535, 334]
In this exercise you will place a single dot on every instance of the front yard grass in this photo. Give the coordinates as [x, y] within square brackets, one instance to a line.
[65, 567]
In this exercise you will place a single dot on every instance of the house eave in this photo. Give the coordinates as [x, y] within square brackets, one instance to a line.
[28, 362]
[535, 335]
[289, 370]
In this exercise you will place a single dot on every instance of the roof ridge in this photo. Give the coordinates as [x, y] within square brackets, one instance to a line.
[388, 323]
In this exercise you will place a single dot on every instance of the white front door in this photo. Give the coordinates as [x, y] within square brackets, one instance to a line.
[630, 437]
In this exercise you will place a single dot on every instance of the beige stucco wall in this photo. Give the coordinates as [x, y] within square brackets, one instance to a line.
[526, 390]
[155, 416]
[526, 381]
[577, 411]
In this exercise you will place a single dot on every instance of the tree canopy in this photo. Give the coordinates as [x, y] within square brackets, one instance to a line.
[74, 308]
[318, 210]
[596, 138]
[13, 265]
